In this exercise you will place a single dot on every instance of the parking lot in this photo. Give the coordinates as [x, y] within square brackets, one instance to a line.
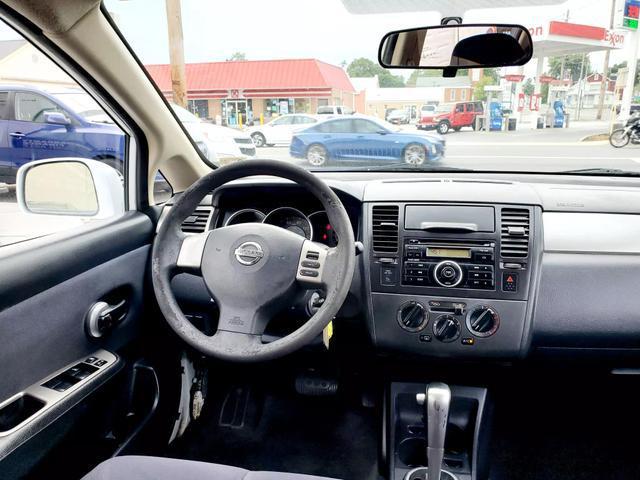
[523, 150]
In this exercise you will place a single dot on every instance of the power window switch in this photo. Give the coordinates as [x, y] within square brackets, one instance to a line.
[52, 384]
[63, 386]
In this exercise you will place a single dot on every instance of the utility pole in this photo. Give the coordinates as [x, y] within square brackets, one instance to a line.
[176, 53]
[605, 67]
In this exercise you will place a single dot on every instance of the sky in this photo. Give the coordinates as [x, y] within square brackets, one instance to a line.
[323, 29]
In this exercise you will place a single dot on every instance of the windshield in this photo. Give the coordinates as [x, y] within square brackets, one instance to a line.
[443, 108]
[254, 69]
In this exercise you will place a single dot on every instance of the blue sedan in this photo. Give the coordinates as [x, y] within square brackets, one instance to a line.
[363, 139]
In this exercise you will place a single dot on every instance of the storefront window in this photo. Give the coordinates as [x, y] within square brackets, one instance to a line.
[200, 108]
[302, 105]
[279, 106]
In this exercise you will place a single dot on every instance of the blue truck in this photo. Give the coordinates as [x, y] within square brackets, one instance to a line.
[35, 125]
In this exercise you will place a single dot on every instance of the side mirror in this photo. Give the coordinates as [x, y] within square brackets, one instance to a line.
[382, 132]
[56, 118]
[70, 186]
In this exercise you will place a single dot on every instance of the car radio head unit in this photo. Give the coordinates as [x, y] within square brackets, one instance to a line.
[430, 263]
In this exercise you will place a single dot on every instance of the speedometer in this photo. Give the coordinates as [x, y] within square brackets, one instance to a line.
[290, 219]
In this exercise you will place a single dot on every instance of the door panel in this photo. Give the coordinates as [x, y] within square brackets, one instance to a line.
[46, 290]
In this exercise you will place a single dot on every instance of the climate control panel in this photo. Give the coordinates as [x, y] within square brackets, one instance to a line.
[449, 326]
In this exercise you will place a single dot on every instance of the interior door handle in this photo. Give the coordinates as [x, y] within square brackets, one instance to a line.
[16, 134]
[102, 317]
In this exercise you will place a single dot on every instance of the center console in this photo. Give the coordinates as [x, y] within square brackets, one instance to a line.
[464, 436]
[452, 279]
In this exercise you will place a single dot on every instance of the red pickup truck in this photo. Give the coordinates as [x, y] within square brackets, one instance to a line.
[451, 115]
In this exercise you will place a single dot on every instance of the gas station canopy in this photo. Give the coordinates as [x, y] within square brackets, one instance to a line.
[555, 38]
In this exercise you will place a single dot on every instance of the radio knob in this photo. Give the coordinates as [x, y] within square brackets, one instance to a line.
[412, 316]
[447, 274]
[446, 328]
[483, 321]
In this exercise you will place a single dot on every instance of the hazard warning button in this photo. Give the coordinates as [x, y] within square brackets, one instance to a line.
[509, 282]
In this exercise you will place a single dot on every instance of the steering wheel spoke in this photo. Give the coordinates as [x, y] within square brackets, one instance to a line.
[191, 252]
[312, 264]
[244, 319]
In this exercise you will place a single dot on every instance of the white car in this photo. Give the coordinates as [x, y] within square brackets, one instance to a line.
[281, 129]
[229, 144]
[219, 144]
[334, 110]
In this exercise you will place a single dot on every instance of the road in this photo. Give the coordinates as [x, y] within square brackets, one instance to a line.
[523, 150]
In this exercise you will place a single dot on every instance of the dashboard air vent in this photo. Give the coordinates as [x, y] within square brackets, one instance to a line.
[514, 233]
[384, 225]
[198, 221]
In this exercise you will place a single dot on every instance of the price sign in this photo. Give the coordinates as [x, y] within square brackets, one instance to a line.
[631, 14]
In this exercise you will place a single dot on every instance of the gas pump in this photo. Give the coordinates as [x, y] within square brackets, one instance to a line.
[495, 119]
[559, 114]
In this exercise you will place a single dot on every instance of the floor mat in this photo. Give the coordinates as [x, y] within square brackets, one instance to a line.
[317, 436]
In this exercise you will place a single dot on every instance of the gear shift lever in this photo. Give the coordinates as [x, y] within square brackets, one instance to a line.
[436, 401]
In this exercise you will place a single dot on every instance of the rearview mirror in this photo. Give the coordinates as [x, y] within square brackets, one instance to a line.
[457, 46]
[70, 186]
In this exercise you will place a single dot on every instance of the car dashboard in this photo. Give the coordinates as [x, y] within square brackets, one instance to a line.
[502, 267]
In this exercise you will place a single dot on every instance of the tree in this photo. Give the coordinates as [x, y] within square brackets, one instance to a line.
[478, 91]
[528, 88]
[363, 67]
[492, 73]
[572, 65]
[613, 71]
[387, 80]
[237, 56]
[544, 92]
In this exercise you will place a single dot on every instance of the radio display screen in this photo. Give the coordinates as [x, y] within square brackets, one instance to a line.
[449, 252]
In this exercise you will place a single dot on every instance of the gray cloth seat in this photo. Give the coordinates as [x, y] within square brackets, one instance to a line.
[158, 468]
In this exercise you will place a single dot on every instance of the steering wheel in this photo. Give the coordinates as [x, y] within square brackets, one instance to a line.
[252, 270]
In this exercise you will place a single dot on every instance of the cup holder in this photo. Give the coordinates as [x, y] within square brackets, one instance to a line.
[413, 452]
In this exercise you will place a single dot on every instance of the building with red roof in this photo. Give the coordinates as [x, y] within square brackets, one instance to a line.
[259, 88]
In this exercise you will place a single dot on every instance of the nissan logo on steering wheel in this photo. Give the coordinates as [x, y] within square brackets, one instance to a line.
[249, 253]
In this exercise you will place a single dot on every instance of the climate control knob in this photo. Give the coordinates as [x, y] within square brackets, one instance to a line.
[412, 316]
[447, 274]
[483, 321]
[446, 328]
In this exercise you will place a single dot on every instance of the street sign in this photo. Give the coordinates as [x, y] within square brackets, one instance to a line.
[631, 14]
